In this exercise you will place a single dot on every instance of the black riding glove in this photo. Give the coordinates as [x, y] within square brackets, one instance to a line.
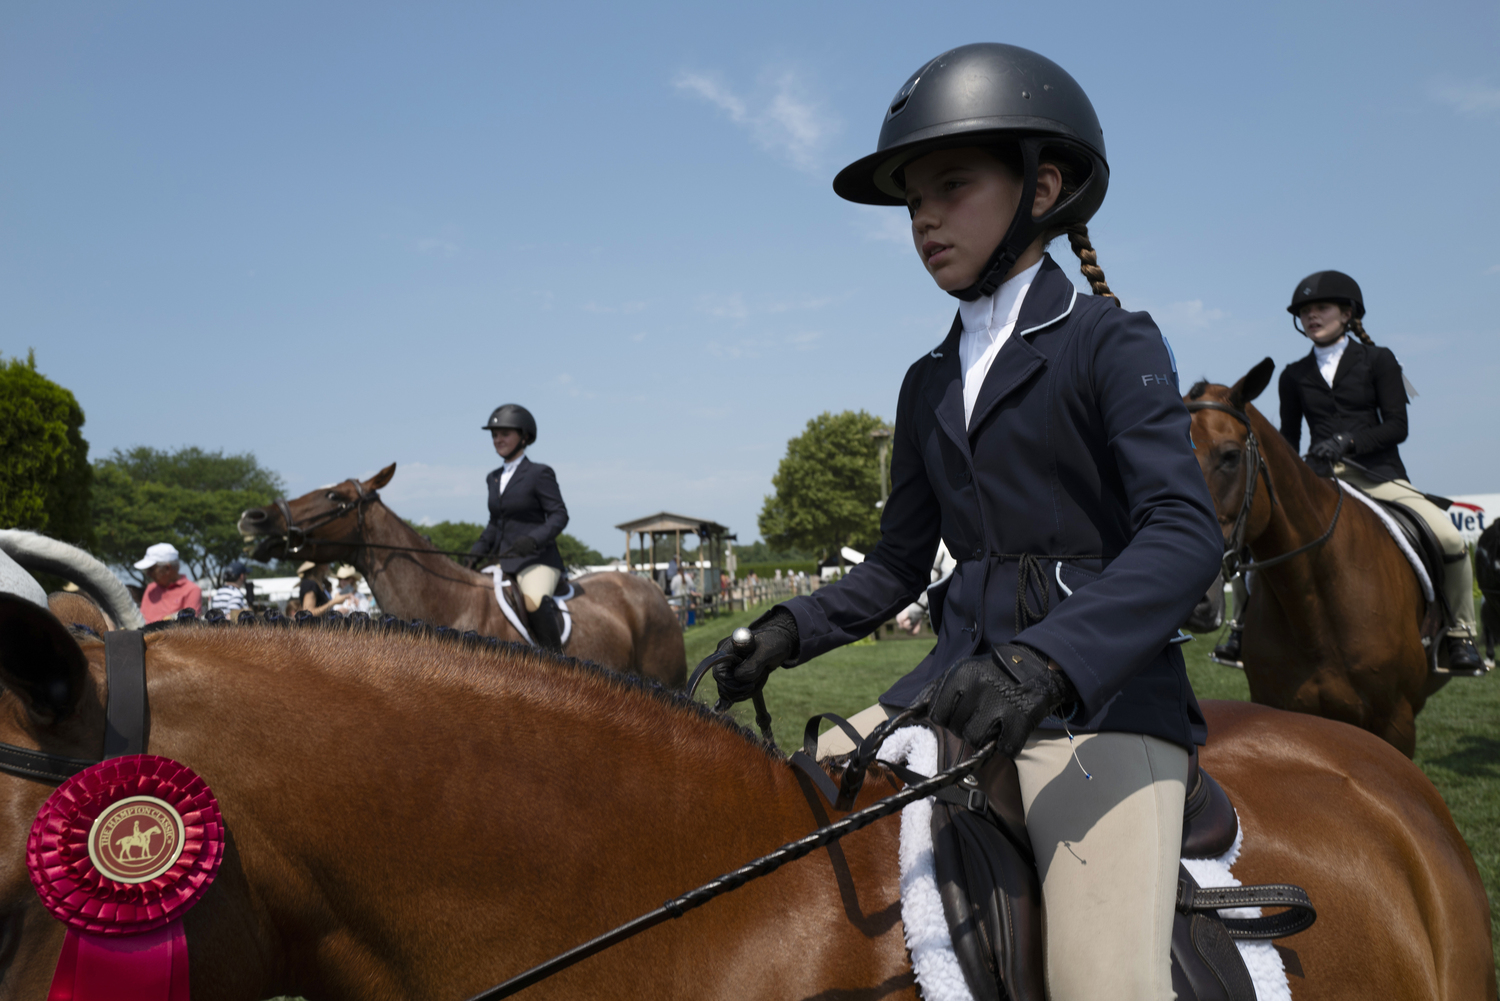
[1333, 449]
[776, 642]
[1005, 695]
[525, 546]
[476, 556]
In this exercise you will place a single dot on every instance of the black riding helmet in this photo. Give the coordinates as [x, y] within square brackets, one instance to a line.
[1327, 286]
[969, 96]
[515, 417]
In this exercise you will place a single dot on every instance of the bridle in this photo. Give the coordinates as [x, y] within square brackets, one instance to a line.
[295, 535]
[124, 717]
[295, 539]
[1234, 546]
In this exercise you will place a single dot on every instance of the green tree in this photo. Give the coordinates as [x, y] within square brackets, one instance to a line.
[45, 479]
[827, 487]
[189, 497]
[458, 536]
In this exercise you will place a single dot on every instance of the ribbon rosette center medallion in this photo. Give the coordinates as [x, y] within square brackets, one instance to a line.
[118, 854]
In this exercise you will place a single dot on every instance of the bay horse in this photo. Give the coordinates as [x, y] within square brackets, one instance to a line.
[619, 620]
[1335, 630]
[418, 816]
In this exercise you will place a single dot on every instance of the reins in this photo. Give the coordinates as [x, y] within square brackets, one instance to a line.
[918, 787]
[1234, 546]
[295, 536]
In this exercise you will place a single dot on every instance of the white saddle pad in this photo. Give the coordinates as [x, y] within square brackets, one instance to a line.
[510, 609]
[926, 927]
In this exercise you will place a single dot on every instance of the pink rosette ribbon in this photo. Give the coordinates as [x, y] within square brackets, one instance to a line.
[120, 889]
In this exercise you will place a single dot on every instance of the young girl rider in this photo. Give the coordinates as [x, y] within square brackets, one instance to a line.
[1045, 442]
[1353, 397]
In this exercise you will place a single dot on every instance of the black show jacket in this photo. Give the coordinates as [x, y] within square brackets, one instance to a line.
[1367, 399]
[531, 505]
[1078, 453]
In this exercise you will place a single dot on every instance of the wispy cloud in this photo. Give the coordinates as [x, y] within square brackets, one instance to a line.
[1493, 269]
[779, 116]
[624, 307]
[728, 307]
[1467, 98]
[1189, 315]
[437, 247]
[886, 224]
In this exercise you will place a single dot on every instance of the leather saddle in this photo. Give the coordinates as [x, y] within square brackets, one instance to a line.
[1429, 550]
[991, 894]
[511, 593]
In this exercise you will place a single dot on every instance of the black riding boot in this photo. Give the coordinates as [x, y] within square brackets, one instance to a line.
[546, 626]
[1462, 657]
[1228, 652]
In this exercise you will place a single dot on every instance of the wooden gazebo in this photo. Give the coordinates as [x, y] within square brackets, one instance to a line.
[712, 538]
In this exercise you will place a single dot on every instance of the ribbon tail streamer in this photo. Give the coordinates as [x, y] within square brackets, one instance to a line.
[152, 966]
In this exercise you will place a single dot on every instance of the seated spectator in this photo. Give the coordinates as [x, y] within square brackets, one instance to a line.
[231, 596]
[312, 593]
[349, 585]
[167, 591]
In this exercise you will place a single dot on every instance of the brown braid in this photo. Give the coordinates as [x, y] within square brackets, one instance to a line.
[1359, 328]
[1088, 260]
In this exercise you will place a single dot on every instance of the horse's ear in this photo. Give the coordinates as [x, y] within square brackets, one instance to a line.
[381, 478]
[1248, 388]
[39, 660]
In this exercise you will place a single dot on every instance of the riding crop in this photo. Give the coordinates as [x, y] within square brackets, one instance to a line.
[743, 642]
[763, 866]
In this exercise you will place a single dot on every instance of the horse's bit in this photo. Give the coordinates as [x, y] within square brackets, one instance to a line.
[295, 535]
[124, 719]
[1234, 546]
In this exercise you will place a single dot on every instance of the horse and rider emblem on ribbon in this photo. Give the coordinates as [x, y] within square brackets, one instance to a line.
[136, 839]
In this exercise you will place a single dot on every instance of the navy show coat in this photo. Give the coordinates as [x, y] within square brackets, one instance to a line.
[1367, 400]
[1078, 453]
[531, 505]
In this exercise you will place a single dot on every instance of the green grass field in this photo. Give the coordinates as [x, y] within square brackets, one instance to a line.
[1458, 733]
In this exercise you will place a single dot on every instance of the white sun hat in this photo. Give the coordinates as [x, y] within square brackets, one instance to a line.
[162, 552]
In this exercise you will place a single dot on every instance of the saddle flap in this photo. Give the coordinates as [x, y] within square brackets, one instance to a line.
[1422, 541]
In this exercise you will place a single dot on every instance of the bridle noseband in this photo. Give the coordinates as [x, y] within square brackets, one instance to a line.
[295, 536]
[1234, 546]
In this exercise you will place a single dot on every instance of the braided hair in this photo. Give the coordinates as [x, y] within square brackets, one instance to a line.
[1359, 329]
[1088, 263]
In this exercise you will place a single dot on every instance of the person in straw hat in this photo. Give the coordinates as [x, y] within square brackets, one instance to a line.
[312, 592]
[348, 589]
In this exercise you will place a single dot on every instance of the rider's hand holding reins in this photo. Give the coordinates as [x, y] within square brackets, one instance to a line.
[775, 643]
[1333, 449]
[525, 546]
[1004, 695]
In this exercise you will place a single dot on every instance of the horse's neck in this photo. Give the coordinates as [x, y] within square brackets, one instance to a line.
[1304, 501]
[415, 582]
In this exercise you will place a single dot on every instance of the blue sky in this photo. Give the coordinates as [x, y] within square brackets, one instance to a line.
[339, 234]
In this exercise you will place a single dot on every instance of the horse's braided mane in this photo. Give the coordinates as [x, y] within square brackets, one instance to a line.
[248, 623]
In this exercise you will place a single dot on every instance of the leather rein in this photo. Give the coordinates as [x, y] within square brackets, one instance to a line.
[294, 537]
[124, 718]
[1234, 546]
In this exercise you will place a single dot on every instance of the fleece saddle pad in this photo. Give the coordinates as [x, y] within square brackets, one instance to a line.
[510, 605]
[925, 924]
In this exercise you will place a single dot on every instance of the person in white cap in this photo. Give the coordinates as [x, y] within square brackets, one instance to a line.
[167, 590]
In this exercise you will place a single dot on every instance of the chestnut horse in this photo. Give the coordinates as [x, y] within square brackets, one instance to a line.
[1337, 630]
[414, 816]
[619, 620]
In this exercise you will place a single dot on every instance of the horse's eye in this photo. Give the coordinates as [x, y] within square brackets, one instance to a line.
[1230, 459]
[333, 496]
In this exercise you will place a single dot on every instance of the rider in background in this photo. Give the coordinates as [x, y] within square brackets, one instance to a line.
[527, 514]
[1353, 396]
[1045, 441]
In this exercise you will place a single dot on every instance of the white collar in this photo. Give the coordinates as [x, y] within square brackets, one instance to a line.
[1001, 310]
[506, 465]
[1336, 349]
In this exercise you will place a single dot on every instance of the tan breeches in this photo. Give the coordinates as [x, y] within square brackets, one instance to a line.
[537, 581]
[1107, 850]
[1458, 576]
